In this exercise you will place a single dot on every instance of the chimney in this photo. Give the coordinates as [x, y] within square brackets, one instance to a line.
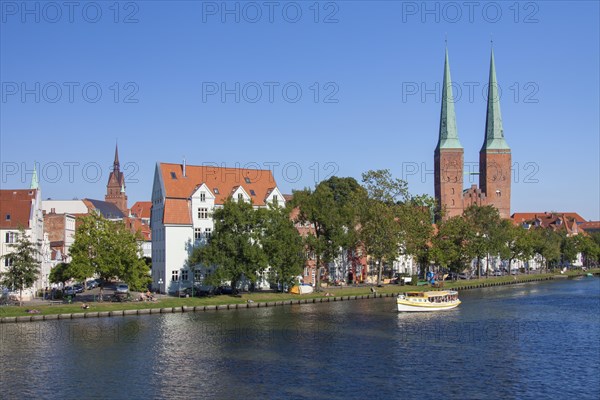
[184, 165]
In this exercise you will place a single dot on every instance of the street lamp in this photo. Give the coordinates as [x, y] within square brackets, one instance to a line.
[160, 282]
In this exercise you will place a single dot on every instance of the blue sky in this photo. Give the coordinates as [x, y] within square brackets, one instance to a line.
[152, 75]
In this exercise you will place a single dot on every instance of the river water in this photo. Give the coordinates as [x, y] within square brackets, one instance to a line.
[529, 341]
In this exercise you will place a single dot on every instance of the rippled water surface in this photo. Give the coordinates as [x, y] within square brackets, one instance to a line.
[537, 340]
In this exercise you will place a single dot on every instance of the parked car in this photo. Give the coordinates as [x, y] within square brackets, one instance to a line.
[452, 276]
[91, 284]
[122, 288]
[225, 289]
[78, 288]
[69, 291]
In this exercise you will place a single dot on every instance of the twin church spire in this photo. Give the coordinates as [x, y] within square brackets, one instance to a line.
[494, 133]
[494, 158]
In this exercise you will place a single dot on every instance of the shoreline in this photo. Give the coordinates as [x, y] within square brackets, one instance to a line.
[179, 305]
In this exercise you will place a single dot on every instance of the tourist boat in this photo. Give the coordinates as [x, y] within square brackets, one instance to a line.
[427, 301]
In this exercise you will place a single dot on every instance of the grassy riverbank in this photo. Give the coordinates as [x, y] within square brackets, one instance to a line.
[261, 297]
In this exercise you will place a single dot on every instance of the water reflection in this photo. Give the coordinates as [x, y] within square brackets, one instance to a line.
[531, 341]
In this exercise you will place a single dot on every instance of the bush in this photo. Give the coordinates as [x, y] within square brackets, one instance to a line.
[415, 280]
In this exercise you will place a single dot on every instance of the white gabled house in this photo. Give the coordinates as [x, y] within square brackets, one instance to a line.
[184, 198]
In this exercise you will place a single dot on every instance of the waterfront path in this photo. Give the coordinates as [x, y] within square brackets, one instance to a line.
[166, 304]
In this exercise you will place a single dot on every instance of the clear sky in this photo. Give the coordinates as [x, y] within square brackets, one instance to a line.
[219, 82]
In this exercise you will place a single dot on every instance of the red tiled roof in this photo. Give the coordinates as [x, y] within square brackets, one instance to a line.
[177, 212]
[136, 225]
[224, 179]
[529, 216]
[590, 226]
[141, 209]
[16, 204]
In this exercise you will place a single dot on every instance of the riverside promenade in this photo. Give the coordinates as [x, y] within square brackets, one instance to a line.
[165, 304]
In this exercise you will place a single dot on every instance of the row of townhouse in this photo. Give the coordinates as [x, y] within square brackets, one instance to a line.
[184, 198]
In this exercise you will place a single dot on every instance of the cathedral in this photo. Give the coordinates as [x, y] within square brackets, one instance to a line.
[494, 157]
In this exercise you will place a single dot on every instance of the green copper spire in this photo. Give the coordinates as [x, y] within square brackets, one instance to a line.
[448, 132]
[35, 184]
[494, 134]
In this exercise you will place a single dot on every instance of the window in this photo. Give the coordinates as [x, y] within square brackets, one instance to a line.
[184, 275]
[202, 196]
[240, 197]
[247, 180]
[173, 175]
[8, 262]
[208, 232]
[175, 276]
[197, 275]
[452, 190]
[11, 237]
[252, 192]
[203, 213]
[216, 190]
[8, 217]
[275, 199]
[197, 233]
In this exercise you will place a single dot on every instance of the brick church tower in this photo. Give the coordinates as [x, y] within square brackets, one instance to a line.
[495, 155]
[448, 168]
[115, 188]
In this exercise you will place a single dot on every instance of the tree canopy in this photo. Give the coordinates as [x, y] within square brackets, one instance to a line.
[109, 250]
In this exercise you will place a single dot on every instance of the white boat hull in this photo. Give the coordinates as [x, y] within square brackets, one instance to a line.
[407, 307]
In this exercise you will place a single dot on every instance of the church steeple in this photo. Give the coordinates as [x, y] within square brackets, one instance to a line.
[448, 156]
[494, 133]
[115, 188]
[35, 184]
[116, 162]
[448, 135]
[495, 159]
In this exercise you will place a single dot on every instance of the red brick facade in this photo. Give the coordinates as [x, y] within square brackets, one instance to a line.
[494, 179]
[448, 175]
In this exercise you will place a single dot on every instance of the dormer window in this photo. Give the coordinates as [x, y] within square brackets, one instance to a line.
[247, 180]
[8, 217]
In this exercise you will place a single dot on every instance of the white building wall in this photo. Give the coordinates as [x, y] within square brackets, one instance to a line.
[178, 244]
[65, 206]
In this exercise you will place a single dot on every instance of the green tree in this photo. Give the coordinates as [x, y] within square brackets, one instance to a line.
[488, 237]
[546, 243]
[23, 267]
[234, 248]
[60, 273]
[382, 186]
[381, 231]
[320, 210]
[590, 248]
[519, 243]
[451, 244]
[282, 245]
[109, 250]
[416, 223]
